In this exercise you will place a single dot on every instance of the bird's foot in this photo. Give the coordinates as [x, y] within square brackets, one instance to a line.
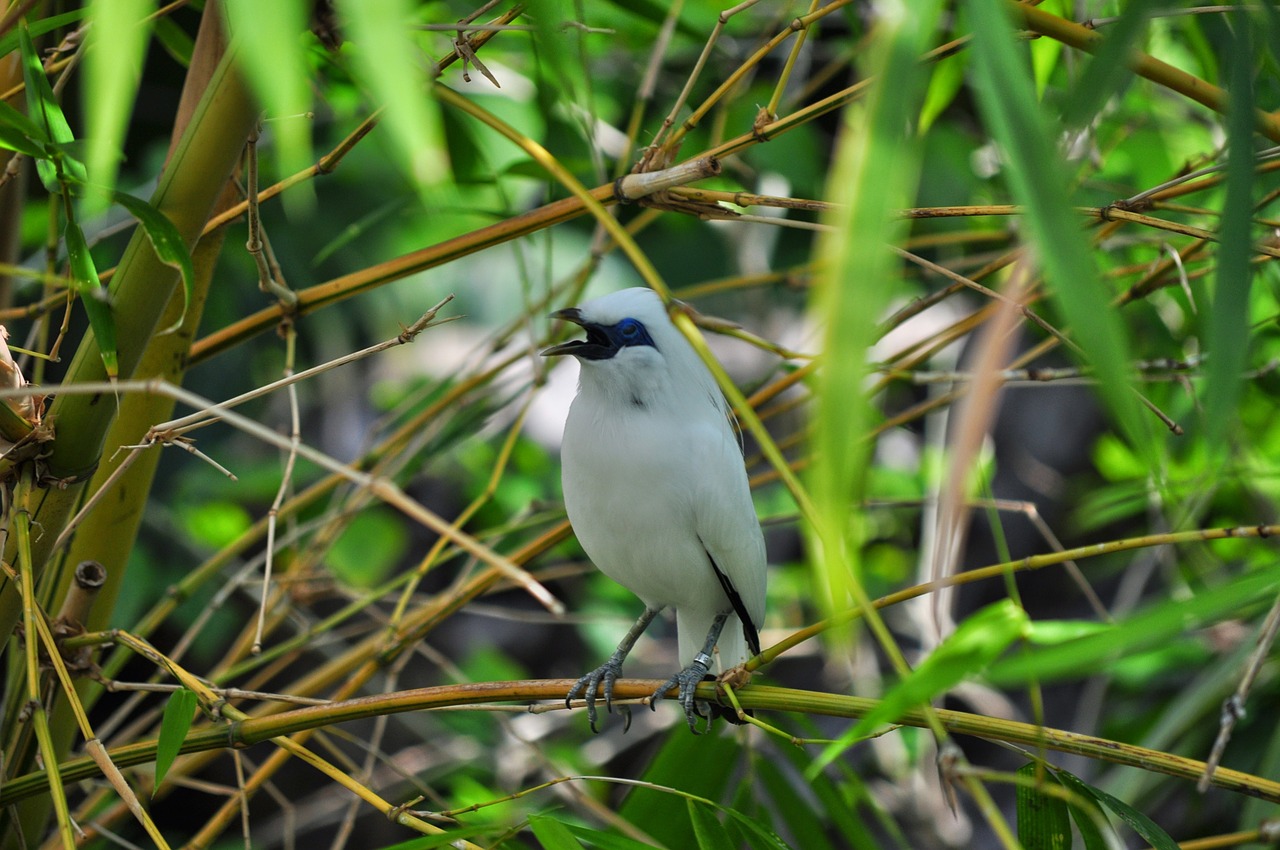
[599, 680]
[687, 681]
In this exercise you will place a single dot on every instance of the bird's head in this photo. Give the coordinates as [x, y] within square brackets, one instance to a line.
[633, 351]
[617, 322]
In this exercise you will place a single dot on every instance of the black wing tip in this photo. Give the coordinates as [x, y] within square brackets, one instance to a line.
[749, 630]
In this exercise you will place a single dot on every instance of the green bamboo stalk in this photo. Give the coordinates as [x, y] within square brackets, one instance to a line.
[143, 294]
[107, 534]
[141, 291]
[756, 697]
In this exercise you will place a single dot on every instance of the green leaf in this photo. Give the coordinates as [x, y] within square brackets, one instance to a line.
[759, 835]
[46, 113]
[11, 41]
[853, 813]
[606, 840]
[1108, 69]
[707, 829]
[448, 838]
[467, 160]
[876, 172]
[179, 711]
[552, 834]
[93, 295]
[1089, 818]
[1228, 331]
[944, 85]
[166, 242]
[701, 766]
[1046, 52]
[803, 823]
[269, 37]
[1043, 822]
[175, 41]
[42, 108]
[361, 228]
[1140, 823]
[117, 46]
[526, 168]
[1050, 632]
[19, 133]
[1033, 167]
[655, 13]
[1153, 626]
[970, 649]
[388, 62]
[1090, 821]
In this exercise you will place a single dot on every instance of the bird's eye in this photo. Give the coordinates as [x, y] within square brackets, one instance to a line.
[629, 328]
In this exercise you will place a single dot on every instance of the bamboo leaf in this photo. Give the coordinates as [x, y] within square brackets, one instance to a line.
[43, 108]
[1089, 818]
[803, 823]
[876, 172]
[179, 711]
[57, 164]
[970, 649]
[944, 84]
[1228, 331]
[699, 766]
[167, 242]
[175, 41]
[1043, 822]
[846, 804]
[387, 61]
[448, 838]
[1035, 175]
[35, 29]
[1140, 823]
[606, 840]
[552, 834]
[117, 46]
[1157, 624]
[1087, 826]
[654, 13]
[19, 133]
[761, 836]
[268, 36]
[707, 829]
[1108, 69]
[93, 295]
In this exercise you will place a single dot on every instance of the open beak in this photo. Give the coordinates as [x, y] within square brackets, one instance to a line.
[571, 314]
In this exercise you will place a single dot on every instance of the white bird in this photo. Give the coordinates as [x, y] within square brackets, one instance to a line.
[657, 493]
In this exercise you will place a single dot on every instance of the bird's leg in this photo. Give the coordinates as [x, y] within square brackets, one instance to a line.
[688, 678]
[610, 671]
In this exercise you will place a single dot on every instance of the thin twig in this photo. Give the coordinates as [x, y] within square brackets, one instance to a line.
[1233, 706]
[198, 420]
[286, 479]
[385, 489]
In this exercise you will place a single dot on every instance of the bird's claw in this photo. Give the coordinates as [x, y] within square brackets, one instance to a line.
[687, 680]
[599, 680]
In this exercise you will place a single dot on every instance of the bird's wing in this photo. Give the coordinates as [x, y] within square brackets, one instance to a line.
[725, 517]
